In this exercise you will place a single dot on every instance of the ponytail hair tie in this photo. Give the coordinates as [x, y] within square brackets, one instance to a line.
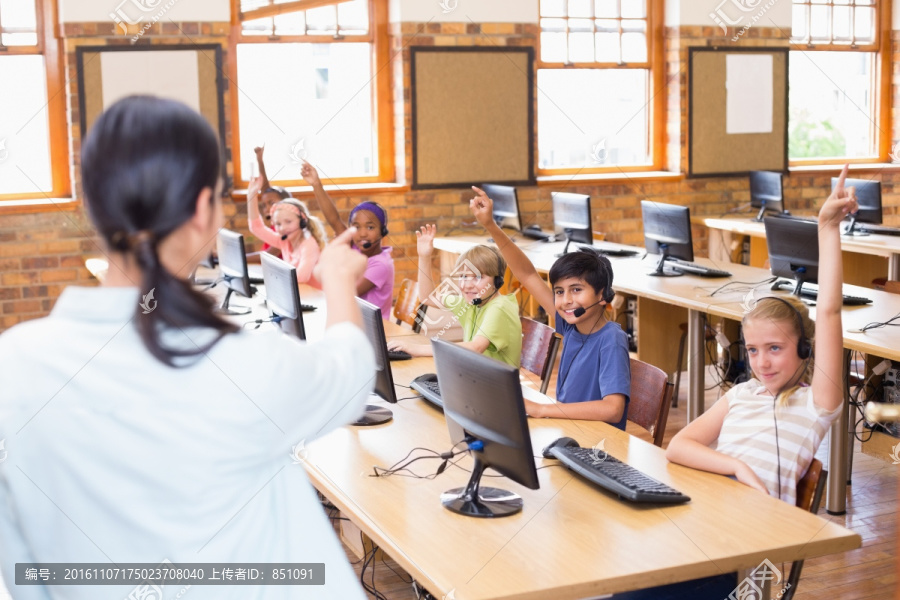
[129, 241]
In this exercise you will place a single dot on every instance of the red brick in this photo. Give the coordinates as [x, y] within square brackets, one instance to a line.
[59, 275]
[40, 262]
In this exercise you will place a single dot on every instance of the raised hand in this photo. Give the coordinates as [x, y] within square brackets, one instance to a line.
[310, 174]
[425, 239]
[259, 151]
[840, 203]
[482, 207]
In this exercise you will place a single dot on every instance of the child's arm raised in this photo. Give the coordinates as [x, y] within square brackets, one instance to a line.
[326, 204]
[827, 388]
[262, 167]
[482, 207]
[425, 280]
[254, 219]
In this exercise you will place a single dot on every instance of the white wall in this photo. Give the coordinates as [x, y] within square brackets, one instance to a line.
[464, 11]
[74, 11]
[895, 14]
[696, 12]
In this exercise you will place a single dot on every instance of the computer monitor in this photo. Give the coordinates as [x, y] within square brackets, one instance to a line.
[373, 323]
[283, 294]
[868, 196]
[572, 216]
[766, 192]
[233, 269]
[209, 262]
[793, 249]
[667, 232]
[506, 205]
[483, 406]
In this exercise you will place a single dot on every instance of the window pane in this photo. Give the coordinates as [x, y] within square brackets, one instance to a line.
[553, 47]
[841, 23]
[607, 8]
[633, 9]
[19, 39]
[353, 17]
[798, 22]
[322, 20]
[258, 26]
[634, 47]
[608, 47]
[821, 20]
[553, 8]
[865, 24]
[831, 105]
[24, 126]
[290, 24]
[581, 47]
[581, 8]
[323, 110]
[593, 117]
[16, 14]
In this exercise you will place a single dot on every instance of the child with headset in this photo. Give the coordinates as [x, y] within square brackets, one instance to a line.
[370, 219]
[299, 235]
[595, 369]
[489, 320]
[739, 435]
[268, 198]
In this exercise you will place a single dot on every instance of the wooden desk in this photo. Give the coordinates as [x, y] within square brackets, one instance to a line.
[571, 540]
[661, 302]
[865, 257]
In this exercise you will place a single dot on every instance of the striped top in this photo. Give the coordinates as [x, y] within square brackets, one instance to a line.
[748, 433]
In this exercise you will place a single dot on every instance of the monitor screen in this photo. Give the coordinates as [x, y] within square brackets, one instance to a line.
[868, 196]
[506, 205]
[283, 294]
[572, 215]
[483, 406]
[373, 323]
[667, 232]
[233, 269]
[766, 192]
[793, 249]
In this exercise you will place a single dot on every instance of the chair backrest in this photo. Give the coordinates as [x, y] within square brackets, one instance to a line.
[540, 344]
[810, 490]
[406, 310]
[651, 394]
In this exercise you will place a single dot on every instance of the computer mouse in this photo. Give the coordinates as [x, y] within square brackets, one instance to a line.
[534, 227]
[564, 442]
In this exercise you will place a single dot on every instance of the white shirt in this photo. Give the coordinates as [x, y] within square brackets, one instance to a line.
[748, 433]
[114, 457]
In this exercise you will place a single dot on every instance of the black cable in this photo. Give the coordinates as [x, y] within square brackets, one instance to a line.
[369, 557]
[258, 322]
[399, 576]
[752, 284]
[397, 467]
[877, 325]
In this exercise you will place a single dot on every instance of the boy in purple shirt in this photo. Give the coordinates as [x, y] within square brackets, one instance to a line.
[370, 220]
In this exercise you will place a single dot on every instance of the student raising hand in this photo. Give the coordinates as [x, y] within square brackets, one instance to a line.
[425, 239]
[840, 203]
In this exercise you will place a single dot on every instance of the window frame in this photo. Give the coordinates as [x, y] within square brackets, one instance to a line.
[882, 122]
[656, 131]
[381, 69]
[49, 47]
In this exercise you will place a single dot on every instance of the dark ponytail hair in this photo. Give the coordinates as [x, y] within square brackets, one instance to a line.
[143, 164]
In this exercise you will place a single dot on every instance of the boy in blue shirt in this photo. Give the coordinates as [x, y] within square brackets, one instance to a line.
[595, 370]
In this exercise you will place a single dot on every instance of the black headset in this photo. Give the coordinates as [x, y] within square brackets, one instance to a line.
[304, 221]
[498, 279]
[608, 294]
[804, 346]
[384, 229]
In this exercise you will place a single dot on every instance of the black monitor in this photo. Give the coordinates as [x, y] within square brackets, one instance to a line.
[766, 192]
[506, 205]
[283, 294]
[793, 249]
[373, 323]
[209, 262]
[572, 216]
[483, 406]
[868, 196]
[233, 269]
[667, 232]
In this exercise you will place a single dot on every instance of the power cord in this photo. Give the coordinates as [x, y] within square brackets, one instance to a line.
[275, 319]
[403, 464]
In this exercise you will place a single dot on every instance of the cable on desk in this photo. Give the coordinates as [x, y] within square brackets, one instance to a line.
[258, 322]
[753, 285]
[892, 322]
[403, 463]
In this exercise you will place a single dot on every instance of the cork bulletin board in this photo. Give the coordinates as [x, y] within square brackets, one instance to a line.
[738, 111]
[188, 73]
[472, 116]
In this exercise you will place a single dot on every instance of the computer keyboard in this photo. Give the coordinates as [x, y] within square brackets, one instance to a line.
[427, 385]
[535, 234]
[617, 477]
[616, 252]
[811, 292]
[398, 355]
[695, 269]
[308, 308]
[878, 230]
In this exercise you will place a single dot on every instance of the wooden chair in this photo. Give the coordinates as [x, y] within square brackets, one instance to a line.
[889, 286]
[540, 343]
[650, 398]
[810, 490]
[407, 309]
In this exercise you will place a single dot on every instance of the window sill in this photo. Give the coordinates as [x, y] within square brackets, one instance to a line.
[611, 178]
[351, 188]
[37, 205]
[836, 168]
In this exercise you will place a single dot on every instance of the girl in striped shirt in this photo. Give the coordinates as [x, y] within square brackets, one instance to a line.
[765, 432]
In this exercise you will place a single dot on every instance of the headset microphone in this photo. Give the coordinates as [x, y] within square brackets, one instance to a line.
[478, 301]
[366, 245]
[284, 237]
[581, 310]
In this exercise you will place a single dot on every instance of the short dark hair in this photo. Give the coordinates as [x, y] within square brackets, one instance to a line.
[585, 264]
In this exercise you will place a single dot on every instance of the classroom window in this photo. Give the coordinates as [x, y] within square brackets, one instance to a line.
[595, 82]
[834, 81]
[32, 125]
[309, 92]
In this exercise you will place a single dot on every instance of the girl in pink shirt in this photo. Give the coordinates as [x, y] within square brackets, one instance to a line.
[298, 235]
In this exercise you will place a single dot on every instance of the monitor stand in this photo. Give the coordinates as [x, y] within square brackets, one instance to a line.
[477, 501]
[851, 230]
[759, 216]
[225, 309]
[374, 415]
[661, 270]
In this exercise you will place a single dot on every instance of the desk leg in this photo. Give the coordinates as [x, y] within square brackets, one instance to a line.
[696, 364]
[894, 267]
[836, 503]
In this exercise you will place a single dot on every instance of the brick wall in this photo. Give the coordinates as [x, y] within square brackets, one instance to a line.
[41, 252]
